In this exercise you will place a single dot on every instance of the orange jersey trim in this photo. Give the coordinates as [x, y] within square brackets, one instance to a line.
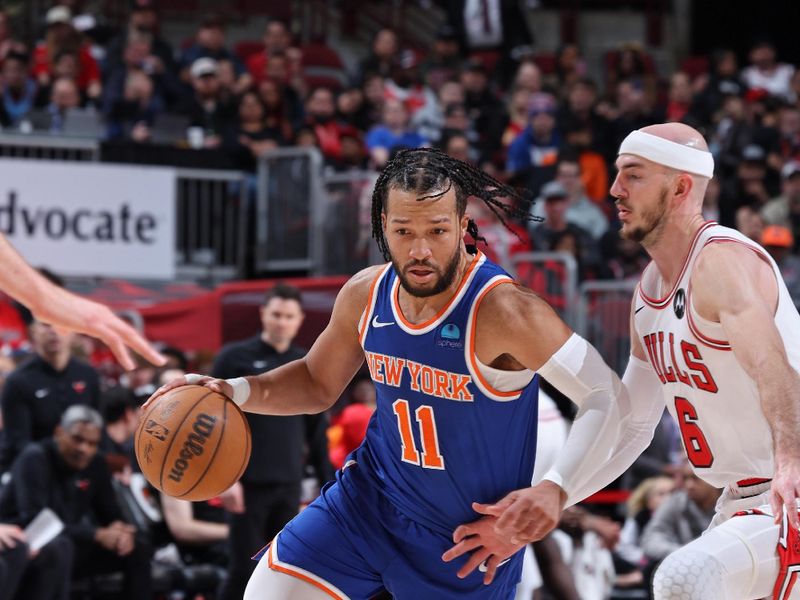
[472, 357]
[288, 571]
[362, 330]
[444, 309]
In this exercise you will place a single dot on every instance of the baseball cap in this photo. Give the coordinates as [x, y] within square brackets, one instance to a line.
[790, 169]
[553, 190]
[204, 66]
[407, 59]
[58, 14]
[541, 103]
[777, 235]
[753, 153]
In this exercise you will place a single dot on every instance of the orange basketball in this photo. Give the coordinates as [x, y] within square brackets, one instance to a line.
[193, 443]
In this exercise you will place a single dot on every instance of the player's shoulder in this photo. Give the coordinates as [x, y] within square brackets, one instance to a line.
[512, 304]
[718, 261]
[359, 286]
[355, 293]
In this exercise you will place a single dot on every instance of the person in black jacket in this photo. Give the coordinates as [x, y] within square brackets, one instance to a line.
[271, 483]
[67, 475]
[38, 392]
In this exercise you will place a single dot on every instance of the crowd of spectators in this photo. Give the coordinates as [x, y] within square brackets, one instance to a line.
[526, 117]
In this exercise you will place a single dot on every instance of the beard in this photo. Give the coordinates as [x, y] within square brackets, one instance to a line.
[444, 277]
[652, 222]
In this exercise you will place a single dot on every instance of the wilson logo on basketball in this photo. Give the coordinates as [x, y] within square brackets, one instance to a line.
[193, 446]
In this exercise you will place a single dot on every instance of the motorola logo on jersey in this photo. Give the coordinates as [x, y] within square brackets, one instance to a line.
[679, 303]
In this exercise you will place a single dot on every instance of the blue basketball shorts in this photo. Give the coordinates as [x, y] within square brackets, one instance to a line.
[352, 543]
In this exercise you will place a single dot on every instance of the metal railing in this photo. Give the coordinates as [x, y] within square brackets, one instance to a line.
[289, 194]
[210, 205]
[603, 313]
[210, 217]
[347, 245]
[552, 275]
[49, 147]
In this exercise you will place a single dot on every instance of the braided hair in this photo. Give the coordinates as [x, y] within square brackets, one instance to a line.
[431, 173]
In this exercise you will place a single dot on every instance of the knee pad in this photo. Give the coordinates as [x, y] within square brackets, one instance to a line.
[689, 575]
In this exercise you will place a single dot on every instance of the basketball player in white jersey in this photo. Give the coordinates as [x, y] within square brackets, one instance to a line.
[716, 336]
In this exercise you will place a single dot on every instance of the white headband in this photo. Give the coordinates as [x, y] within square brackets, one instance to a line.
[667, 153]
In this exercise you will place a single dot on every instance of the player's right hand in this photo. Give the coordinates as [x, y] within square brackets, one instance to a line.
[527, 515]
[218, 385]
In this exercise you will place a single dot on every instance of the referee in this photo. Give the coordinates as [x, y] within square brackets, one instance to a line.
[281, 445]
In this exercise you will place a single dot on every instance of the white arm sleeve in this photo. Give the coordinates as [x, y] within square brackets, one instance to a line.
[640, 412]
[578, 371]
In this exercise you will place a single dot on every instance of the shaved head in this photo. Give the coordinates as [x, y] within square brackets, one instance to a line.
[678, 133]
[681, 133]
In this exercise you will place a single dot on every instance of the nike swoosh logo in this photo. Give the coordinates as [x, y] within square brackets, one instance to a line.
[483, 568]
[636, 312]
[377, 324]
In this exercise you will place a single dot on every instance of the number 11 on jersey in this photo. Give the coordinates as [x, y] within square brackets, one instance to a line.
[431, 457]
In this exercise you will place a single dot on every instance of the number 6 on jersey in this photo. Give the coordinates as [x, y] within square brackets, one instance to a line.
[431, 458]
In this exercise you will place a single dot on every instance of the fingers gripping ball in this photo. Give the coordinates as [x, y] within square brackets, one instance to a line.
[193, 443]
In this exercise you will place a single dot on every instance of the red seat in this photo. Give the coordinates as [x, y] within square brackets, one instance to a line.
[322, 67]
[246, 48]
[694, 66]
[546, 63]
[320, 55]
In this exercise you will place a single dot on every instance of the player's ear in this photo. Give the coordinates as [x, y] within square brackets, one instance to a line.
[383, 221]
[465, 219]
[683, 185]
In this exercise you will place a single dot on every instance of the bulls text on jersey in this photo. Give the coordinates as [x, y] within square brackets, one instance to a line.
[678, 362]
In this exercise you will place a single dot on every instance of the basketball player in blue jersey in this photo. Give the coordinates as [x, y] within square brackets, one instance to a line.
[453, 346]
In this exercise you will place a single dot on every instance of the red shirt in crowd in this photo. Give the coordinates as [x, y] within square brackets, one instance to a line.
[88, 70]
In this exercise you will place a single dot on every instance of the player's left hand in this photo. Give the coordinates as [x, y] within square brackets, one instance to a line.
[785, 490]
[527, 515]
[489, 550]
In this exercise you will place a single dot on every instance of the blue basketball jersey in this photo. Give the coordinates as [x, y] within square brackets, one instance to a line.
[442, 437]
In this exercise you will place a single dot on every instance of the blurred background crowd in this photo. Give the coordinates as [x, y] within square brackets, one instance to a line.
[231, 88]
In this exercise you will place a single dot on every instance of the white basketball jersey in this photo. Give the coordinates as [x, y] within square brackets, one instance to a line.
[715, 403]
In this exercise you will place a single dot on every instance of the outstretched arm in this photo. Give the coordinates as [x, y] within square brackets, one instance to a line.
[57, 306]
[640, 411]
[743, 300]
[313, 383]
